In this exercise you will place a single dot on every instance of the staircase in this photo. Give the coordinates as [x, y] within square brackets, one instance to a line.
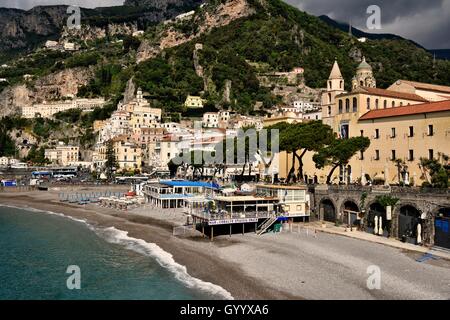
[266, 225]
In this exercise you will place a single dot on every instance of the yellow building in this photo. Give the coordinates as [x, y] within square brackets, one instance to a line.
[431, 92]
[194, 102]
[401, 123]
[407, 134]
[288, 117]
[63, 155]
[128, 153]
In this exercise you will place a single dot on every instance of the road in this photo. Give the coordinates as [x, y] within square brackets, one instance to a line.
[335, 267]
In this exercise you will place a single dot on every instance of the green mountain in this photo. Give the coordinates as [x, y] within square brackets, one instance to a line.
[240, 39]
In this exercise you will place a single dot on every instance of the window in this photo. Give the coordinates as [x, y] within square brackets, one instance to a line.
[377, 154]
[401, 104]
[385, 104]
[344, 131]
[347, 105]
[340, 106]
[361, 155]
[376, 104]
[362, 133]
[393, 133]
[377, 133]
[329, 98]
[329, 84]
[368, 103]
[411, 131]
[355, 105]
[430, 130]
[411, 155]
[341, 84]
[329, 110]
[393, 104]
[393, 155]
[430, 154]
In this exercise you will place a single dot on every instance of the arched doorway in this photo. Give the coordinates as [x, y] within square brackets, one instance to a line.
[408, 219]
[328, 209]
[441, 228]
[376, 210]
[350, 212]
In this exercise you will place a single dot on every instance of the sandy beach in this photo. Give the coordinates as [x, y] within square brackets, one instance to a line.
[272, 266]
[196, 253]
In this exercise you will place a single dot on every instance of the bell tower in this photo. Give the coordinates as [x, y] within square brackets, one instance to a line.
[335, 86]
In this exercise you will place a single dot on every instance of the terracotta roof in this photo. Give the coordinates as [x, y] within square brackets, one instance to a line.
[394, 94]
[427, 86]
[407, 110]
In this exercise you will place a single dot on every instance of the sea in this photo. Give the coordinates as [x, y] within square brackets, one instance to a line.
[48, 256]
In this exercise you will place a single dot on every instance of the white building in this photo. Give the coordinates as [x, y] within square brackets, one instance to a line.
[47, 110]
[210, 120]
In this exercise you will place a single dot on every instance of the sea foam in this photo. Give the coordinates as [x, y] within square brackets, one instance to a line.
[164, 258]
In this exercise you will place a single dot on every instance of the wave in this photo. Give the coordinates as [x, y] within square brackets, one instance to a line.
[164, 258]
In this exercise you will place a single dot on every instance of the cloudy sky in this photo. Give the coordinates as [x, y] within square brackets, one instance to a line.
[427, 22]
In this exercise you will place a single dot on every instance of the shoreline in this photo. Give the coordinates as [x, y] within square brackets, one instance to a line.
[195, 253]
[285, 265]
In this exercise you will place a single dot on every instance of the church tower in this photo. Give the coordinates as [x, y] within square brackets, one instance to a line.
[335, 86]
[364, 76]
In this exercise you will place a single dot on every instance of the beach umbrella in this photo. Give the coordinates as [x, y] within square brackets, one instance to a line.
[419, 233]
[380, 224]
[375, 230]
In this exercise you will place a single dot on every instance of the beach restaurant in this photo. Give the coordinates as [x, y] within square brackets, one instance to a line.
[294, 200]
[270, 205]
[175, 193]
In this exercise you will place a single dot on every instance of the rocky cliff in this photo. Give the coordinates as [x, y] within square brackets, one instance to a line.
[24, 30]
[179, 31]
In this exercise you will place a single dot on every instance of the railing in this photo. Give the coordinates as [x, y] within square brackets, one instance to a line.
[391, 189]
[234, 215]
[17, 189]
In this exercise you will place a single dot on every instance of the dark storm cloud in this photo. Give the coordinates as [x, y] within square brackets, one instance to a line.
[28, 4]
[426, 22]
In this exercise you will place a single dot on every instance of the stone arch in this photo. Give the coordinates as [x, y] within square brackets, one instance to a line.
[439, 223]
[352, 215]
[350, 201]
[328, 209]
[406, 217]
[374, 210]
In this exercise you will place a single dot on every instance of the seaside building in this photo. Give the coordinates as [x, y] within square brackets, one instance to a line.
[257, 212]
[174, 194]
[128, 153]
[63, 155]
[401, 123]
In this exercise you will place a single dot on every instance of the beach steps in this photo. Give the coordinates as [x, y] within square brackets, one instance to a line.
[266, 225]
